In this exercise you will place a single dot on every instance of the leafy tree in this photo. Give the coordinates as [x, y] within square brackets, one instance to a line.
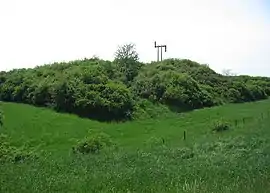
[127, 61]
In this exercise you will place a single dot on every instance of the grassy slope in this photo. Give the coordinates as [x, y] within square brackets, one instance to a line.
[234, 161]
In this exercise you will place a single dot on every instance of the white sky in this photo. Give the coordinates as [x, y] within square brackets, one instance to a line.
[226, 34]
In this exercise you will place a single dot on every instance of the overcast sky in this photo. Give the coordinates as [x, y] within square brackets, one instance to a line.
[226, 34]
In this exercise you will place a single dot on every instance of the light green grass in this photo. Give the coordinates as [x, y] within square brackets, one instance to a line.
[236, 160]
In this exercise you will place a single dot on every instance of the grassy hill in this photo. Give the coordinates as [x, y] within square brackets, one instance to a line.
[125, 126]
[148, 155]
[123, 89]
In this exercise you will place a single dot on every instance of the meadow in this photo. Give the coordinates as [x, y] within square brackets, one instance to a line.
[147, 155]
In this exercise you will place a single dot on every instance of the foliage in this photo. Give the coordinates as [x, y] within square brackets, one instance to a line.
[108, 91]
[82, 87]
[221, 125]
[9, 153]
[127, 60]
[146, 109]
[92, 144]
[195, 85]
[173, 88]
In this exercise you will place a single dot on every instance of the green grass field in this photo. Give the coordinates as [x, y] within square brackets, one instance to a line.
[149, 155]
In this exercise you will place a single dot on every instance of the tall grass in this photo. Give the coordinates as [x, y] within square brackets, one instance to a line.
[149, 156]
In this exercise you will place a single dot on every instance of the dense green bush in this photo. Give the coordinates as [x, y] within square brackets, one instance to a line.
[233, 95]
[174, 89]
[82, 88]
[92, 144]
[183, 90]
[111, 101]
[63, 95]
[213, 89]
[105, 90]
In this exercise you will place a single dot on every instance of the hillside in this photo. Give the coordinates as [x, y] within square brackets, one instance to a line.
[125, 126]
[143, 155]
[124, 88]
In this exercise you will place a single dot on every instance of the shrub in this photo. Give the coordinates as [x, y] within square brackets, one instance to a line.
[92, 144]
[9, 153]
[41, 94]
[111, 101]
[174, 89]
[220, 126]
[233, 95]
[64, 95]
[146, 109]
[105, 90]
[249, 91]
[257, 92]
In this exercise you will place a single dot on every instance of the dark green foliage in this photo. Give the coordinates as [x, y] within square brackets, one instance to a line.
[41, 95]
[92, 144]
[146, 109]
[233, 95]
[109, 101]
[107, 91]
[81, 87]
[173, 88]
[183, 90]
[64, 95]
[189, 84]
[249, 88]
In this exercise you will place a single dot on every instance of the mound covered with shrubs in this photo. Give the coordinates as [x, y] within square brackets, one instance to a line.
[185, 83]
[113, 90]
[174, 89]
[84, 88]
